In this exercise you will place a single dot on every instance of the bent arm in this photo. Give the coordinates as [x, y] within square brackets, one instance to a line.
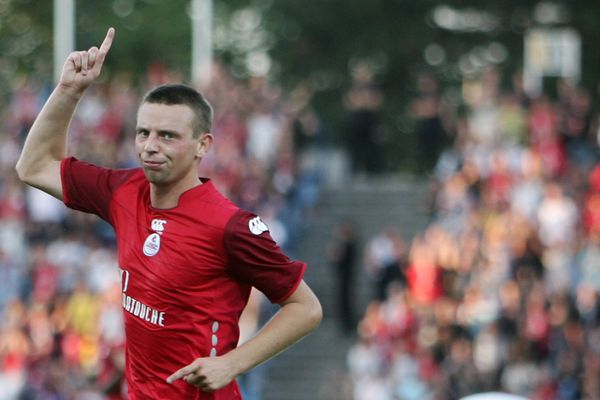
[45, 146]
[299, 315]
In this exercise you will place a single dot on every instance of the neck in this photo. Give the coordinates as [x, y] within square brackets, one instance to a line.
[167, 196]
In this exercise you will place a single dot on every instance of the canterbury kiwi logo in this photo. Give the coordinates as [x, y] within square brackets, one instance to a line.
[256, 226]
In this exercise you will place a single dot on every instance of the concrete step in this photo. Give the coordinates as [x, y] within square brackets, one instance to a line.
[309, 370]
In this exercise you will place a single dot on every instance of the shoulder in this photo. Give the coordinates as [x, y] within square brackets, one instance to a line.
[209, 205]
[73, 167]
[245, 228]
[134, 176]
[90, 188]
[218, 210]
[245, 223]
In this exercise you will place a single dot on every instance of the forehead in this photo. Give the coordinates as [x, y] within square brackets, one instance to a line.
[157, 116]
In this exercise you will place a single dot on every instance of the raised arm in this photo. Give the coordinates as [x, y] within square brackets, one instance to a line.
[45, 146]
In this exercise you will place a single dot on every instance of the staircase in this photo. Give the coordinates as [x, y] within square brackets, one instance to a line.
[314, 369]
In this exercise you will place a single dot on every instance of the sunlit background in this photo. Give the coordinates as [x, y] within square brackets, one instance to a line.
[435, 163]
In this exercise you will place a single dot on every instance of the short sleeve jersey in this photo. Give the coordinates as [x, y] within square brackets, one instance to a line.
[186, 273]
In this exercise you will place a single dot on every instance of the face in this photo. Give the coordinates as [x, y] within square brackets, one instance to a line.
[165, 144]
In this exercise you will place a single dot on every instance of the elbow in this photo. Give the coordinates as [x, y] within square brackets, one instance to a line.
[24, 173]
[305, 308]
[21, 171]
[43, 176]
[30, 173]
[315, 315]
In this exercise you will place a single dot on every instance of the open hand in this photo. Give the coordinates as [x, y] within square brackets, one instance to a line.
[82, 67]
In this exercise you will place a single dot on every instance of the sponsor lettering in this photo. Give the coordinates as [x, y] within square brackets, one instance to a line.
[136, 307]
[143, 311]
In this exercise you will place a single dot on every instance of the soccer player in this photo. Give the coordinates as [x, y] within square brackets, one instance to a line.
[188, 257]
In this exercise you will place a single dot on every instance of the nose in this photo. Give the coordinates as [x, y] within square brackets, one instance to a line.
[151, 143]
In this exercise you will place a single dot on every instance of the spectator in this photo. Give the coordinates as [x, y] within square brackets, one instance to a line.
[362, 135]
[385, 260]
[38, 260]
[503, 285]
[343, 255]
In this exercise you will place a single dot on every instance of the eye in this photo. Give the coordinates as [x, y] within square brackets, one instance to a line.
[167, 135]
[142, 132]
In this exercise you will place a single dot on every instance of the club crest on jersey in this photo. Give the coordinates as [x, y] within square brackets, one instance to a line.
[152, 244]
[256, 226]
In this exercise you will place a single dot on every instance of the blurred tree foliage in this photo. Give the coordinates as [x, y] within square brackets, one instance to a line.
[321, 42]
[310, 43]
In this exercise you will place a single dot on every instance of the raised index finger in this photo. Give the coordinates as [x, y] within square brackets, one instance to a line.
[107, 42]
[104, 47]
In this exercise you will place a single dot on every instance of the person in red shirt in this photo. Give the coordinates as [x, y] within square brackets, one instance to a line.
[188, 257]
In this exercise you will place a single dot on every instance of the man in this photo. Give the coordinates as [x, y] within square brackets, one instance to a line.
[188, 256]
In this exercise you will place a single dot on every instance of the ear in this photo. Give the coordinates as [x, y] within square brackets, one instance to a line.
[203, 145]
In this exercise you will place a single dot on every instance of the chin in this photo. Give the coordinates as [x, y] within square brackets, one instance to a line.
[153, 177]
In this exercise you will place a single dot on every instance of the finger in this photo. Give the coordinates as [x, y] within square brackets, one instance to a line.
[84, 62]
[181, 373]
[92, 54]
[76, 59]
[199, 381]
[103, 50]
[107, 43]
[194, 379]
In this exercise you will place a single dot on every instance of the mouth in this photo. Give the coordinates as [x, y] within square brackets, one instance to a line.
[152, 165]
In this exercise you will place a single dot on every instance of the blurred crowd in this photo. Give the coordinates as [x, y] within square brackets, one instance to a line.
[500, 292]
[61, 327]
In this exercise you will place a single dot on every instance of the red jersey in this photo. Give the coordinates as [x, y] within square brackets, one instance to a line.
[186, 273]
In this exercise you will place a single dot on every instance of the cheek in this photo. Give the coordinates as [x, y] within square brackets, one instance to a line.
[138, 147]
